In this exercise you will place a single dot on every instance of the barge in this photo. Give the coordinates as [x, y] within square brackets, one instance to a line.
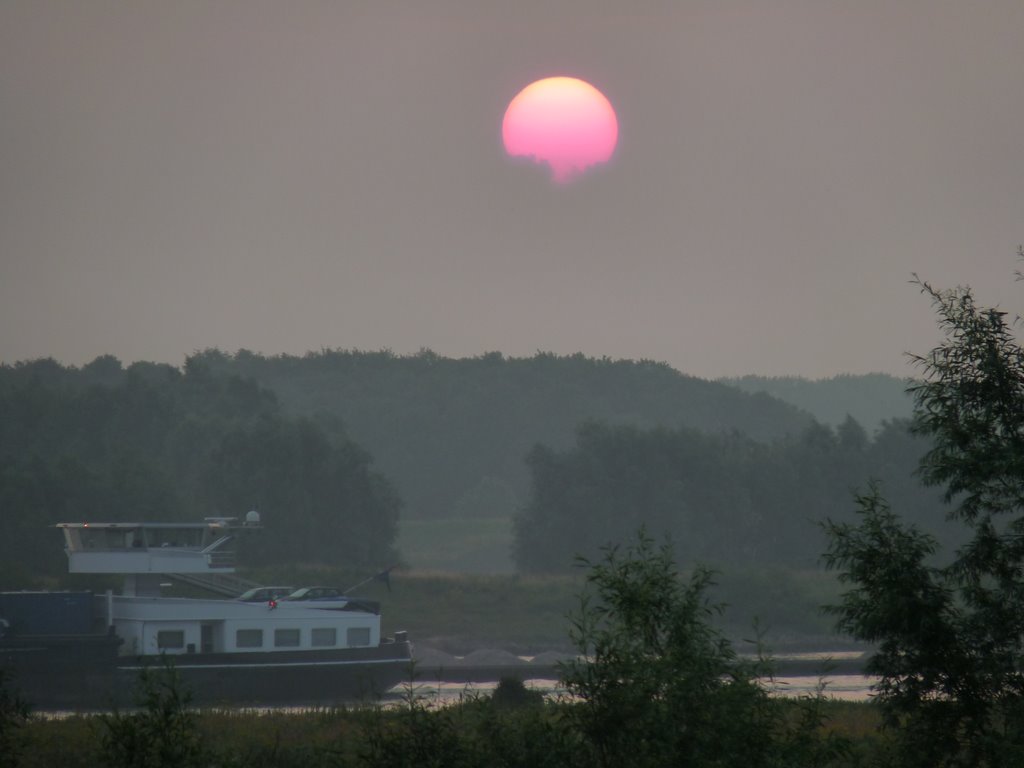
[83, 651]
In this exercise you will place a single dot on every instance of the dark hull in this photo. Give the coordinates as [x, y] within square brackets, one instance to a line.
[292, 678]
[57, 671]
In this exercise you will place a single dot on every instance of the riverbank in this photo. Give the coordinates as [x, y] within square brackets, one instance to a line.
[476, 724]
[491, 664]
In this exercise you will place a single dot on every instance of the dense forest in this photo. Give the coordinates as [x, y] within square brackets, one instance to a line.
[152, 442]
[723, 499]
[577, 451]
[733, 476]
[452, 433]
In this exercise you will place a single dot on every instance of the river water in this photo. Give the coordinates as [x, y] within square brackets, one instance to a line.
[844, 686]
[839, 687]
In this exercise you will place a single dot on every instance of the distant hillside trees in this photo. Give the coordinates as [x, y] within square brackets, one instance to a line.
[722, 499]
[155, 443]
[871, 398]
[452, 433]
[730, 475]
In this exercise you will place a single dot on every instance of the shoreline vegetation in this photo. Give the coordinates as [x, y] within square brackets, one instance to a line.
[653, 681]
[339, 737]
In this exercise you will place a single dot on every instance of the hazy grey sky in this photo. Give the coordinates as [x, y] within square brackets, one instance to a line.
[292, 176]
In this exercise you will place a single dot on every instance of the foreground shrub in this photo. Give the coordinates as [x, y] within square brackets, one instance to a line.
[659, 685]
[162, 734]
[417, 737]
[949, 628]
[14, 712]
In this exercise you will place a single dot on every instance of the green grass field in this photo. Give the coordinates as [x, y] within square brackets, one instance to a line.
[481, 545]
[464, 583]
[459, 613]
[456, 591]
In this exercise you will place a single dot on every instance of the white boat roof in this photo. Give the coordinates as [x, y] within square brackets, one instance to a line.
[211, 522]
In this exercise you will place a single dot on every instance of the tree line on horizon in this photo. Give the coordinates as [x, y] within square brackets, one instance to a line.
[724, 500]
[579, 450]
[153, 443]
[870, 398]
[452, 433]
[741, 477]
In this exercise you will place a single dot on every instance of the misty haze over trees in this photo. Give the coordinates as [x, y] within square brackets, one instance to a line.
[155, 443]
[330, 446]
[871, 398]
[722, 499]
[448, 431]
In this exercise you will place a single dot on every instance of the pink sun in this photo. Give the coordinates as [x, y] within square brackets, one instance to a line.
[561, 121]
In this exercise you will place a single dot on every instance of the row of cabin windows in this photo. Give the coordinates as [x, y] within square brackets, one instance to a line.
[320, 637]
[105, 538]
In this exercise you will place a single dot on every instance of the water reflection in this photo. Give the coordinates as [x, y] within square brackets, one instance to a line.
[840, 687]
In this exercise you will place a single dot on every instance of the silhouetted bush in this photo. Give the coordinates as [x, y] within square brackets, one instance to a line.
[14, 712]
[162, 733]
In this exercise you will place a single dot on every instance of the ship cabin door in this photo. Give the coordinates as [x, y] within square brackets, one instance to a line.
[206, 638]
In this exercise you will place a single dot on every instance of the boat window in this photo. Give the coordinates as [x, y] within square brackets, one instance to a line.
[170, 638]
[105, 538]
[325, 636]
[358, 636]
[249, 638]
[286, 638]
[174, 537]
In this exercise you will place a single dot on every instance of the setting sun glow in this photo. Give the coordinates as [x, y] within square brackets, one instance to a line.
[561, 121]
